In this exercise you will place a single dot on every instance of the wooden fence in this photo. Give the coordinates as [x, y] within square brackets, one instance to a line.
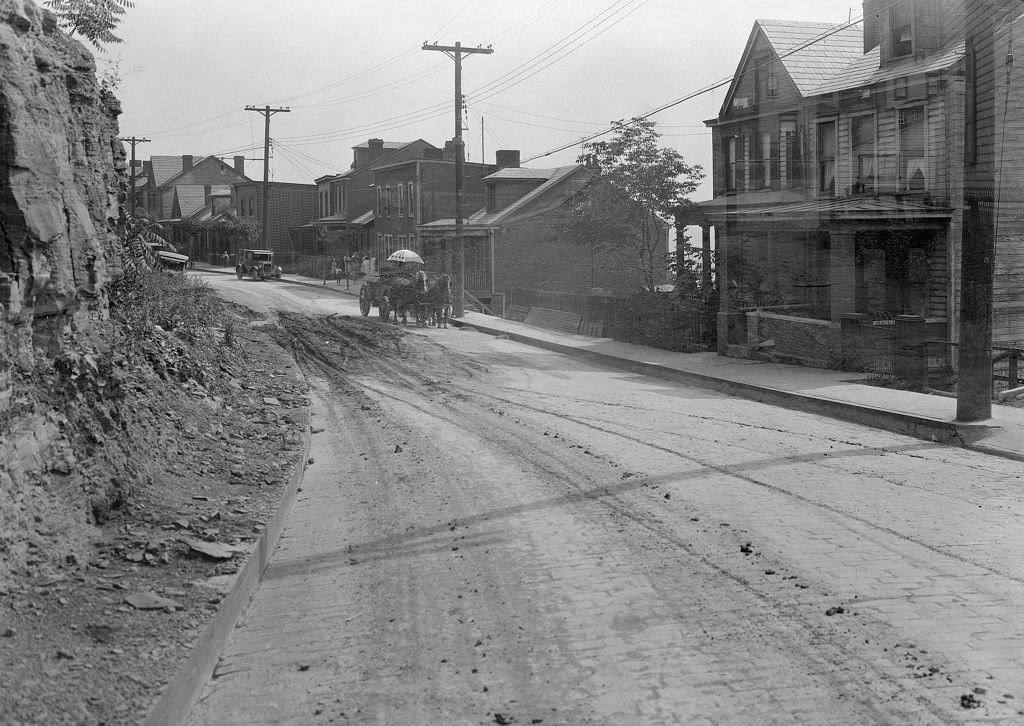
[666, 321]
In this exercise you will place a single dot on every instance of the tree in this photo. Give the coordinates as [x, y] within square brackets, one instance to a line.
[95, 20]
[628, 205]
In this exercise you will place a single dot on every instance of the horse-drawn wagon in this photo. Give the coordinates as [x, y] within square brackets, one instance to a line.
[403, 285]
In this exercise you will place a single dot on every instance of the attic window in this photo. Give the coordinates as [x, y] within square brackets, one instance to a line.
[766, 84]
[901, 30]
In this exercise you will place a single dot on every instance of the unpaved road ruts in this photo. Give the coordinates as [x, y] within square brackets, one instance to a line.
[487, 532]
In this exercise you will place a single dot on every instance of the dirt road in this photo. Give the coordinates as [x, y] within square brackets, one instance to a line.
[489, 533]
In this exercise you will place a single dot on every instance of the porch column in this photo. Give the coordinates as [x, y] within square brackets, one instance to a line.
[842, 274]
[705, 260]
[722, 248]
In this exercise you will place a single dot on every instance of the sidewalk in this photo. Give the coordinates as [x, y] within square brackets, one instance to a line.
[837, 394]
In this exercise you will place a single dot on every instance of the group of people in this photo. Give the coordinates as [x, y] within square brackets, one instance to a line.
[344, 267]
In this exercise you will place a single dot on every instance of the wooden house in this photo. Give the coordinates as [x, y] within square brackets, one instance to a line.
[838, 180]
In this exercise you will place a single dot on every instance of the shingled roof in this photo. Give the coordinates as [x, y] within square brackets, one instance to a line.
[865, 71]
[189, 198]
[813, 53]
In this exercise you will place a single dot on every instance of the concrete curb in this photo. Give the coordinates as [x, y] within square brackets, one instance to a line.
[175, 703]
[921, 427]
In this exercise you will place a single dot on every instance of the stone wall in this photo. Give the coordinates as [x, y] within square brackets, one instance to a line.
[806, 341]
[61, 181]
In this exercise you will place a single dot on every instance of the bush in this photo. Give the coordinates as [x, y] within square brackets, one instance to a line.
[171, 320]
[177, 304]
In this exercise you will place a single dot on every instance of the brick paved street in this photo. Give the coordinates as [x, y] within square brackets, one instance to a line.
[562, 544]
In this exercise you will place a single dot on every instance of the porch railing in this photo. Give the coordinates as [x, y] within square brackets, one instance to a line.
[901, 351]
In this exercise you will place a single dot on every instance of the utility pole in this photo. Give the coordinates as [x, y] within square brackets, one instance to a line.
[974, 353]
[131, 174]
[266, 112]
[455, 53]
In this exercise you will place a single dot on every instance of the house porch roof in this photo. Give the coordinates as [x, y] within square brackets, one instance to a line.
[749, 208]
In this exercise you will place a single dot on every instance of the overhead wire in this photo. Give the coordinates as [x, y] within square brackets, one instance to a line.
[558, 50]
[705, 89]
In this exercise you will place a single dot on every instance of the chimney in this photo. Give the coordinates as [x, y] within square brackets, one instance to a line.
[449, 149]
[507, 158]
[872, 21]
[186, 162]
[240, 165]
[376, 148]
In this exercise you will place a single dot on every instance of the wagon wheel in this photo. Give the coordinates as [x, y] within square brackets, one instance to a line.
[384, 310]
[364, 302]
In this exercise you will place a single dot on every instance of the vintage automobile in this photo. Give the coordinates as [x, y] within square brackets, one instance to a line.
[171, 262]
[257, 264]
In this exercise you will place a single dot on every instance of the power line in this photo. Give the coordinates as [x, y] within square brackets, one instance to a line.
[706, 89]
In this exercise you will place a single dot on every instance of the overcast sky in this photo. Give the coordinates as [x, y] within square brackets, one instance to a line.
[350, 70]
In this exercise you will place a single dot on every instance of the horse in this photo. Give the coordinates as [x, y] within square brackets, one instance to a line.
[439, 301]
[406, 292]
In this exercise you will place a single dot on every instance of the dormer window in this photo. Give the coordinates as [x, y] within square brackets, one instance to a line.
[901, 30]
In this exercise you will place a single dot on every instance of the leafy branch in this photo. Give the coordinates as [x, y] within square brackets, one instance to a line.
[94, 20]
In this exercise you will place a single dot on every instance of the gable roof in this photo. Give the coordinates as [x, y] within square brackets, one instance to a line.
[813, 52]
[164, 168]
[810, 53]
[206, 160]
[188, 198]
[553, 178]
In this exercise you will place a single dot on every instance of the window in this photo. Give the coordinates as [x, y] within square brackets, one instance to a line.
[827, 157]
[901, 30]
[765, 81]
[913, 167]
[730, 163]
[792, 170]
[862, 133]
[380, 202]
[412, 198]
[765, 172]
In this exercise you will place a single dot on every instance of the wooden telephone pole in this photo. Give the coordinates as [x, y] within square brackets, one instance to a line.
[974, 353]
[455, 53]
[131, 174]
[266, 112]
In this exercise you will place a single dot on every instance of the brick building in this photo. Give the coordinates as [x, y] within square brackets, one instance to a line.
[347, 202]
[514, 241]
[416, 191]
